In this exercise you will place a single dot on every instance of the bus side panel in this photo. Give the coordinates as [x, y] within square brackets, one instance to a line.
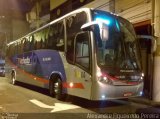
[44, 63]
[78, 82]
[49, 62]
[36, 67]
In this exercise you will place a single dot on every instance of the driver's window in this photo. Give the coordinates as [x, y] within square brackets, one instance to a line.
[73, 25]
[82, 50]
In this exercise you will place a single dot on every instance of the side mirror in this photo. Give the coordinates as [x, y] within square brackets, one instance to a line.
[101, 27]
[90, 26]
[104, 32]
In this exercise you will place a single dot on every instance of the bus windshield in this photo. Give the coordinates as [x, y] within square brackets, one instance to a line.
[120, 50]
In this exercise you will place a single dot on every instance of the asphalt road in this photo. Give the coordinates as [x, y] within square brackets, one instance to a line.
[28, 102]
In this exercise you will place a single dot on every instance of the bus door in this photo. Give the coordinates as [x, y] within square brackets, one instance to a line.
[80, 72]
[78, 56]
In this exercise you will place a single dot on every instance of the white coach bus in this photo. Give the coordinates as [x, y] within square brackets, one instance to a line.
[87, 53]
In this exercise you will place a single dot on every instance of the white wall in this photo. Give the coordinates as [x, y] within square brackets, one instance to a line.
[99, 4]
[19, 28]
[156, 81]
[137, 10]
[157, 18]
[133, 10]
[56, 3]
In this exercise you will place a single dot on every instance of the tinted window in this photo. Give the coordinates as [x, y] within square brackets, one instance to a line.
[82, 49]
[56, 37]
[73, 25]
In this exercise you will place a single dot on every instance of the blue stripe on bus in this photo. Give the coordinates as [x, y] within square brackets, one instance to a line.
[41, 63]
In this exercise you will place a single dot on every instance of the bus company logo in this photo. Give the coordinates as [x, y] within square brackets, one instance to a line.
[24, 60]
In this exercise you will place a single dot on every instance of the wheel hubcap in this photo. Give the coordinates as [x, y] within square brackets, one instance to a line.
[56, 87]
[13, 80]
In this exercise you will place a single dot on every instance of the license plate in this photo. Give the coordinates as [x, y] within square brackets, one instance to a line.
[127, 94]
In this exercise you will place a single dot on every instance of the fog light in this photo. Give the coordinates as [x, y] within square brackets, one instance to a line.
[141, 93]
[103, 96]
[105, 78]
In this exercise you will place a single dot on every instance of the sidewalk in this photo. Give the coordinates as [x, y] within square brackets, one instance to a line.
[143, 100]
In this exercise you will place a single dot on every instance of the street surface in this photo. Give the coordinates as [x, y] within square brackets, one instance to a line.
[28, 102]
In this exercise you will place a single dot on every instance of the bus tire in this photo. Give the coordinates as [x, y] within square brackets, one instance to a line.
[58, 89]
[13, 78]
[51, 88]
[55, 88]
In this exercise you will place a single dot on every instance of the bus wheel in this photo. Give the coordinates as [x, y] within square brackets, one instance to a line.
[55, 88]
[58, 89]
[13, 78]
[51, 88]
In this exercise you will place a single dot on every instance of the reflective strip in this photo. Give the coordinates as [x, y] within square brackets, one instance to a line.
[133, 83]
[74, 85]
[117, 79]
[43, 80]
[35, 77]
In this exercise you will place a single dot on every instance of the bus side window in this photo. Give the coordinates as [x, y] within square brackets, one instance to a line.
[82, 50]
[60, 37]
[38, 45]
[15, 49]
[31, 47]
[22, 45]
[70, 39]
[70, 51]
[56, 37]
[18, 47]
[73, 25]
[26, 45]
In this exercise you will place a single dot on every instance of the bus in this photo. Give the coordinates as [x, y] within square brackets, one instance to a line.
[86, 53]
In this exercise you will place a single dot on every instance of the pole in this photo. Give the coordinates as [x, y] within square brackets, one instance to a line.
[156, 75]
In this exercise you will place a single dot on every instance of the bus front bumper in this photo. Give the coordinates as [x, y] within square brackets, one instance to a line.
[103, 91]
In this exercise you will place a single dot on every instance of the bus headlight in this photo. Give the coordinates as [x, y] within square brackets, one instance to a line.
[103, 97]
[141, 93]
[104, 79]
[141, 78]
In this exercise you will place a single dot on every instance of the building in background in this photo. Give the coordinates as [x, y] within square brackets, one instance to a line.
[43, 11]
[39, 14]
[13, 22]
